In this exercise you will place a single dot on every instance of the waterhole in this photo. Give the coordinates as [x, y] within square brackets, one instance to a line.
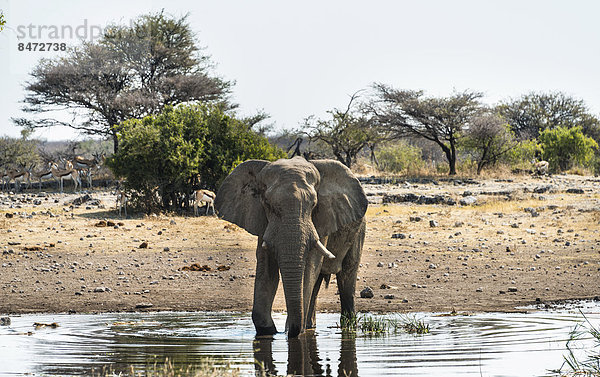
[490, 344]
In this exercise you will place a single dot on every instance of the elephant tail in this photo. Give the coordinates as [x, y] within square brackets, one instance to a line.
[326, 277]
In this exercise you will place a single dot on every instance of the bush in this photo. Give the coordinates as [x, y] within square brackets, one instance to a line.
[522, 155]
[164, 157]
[400, 158]
[565, 147]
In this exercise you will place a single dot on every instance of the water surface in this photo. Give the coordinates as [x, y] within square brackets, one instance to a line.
[491, 344]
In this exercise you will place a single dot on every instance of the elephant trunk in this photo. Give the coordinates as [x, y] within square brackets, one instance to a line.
[296, 240]
[292, 278]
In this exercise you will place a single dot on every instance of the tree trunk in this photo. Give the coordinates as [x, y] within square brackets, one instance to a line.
[115, 142]
[451, 157]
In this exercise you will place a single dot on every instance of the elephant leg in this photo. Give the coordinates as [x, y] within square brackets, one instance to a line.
[311, 315]
[265, 287]
[346, 278]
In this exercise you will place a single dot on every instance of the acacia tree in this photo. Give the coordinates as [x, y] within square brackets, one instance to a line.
[346, 132]
[533, 113]
[131, 72]
[440, 120]
[489, 138]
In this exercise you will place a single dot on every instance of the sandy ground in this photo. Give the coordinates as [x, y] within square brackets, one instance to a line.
[525, 240]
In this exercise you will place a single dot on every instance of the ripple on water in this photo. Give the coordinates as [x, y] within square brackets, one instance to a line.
[491, 344]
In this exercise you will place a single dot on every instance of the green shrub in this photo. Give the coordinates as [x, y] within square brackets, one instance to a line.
[164, 157]
[400, 158]
[522, 155]
[565, 147]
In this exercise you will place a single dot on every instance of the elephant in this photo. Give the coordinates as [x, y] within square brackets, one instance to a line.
[296, 207]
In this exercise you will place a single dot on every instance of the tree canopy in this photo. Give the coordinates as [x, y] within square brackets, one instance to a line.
[438, 119]
[165, 156]
[532, 113]
[347, 132]
[488, 138]
[131, 72]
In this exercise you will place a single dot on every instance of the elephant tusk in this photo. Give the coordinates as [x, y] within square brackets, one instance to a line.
[264, 245]
[323, 250]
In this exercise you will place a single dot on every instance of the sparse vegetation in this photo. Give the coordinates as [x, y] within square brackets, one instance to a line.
[578, 362]
[379, 325]
[207, 368]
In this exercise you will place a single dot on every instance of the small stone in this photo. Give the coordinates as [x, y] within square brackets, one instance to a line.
[144, 305]
[143, 245]
[367, 292]
[399, 235]
[4, 321]
[433, 223]
[100, 289]
[512, 289]
[166, 249]
[389, 297]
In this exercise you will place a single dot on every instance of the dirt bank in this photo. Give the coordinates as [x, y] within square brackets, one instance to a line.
[514, 242]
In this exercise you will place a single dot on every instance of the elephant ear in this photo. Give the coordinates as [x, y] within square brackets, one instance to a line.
[340, 197]
[238, 199]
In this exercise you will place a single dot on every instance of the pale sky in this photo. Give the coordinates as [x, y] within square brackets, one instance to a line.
[303, 58]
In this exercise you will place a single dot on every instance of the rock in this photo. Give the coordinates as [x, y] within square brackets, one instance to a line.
[80, 200]
[172, 222]
[4, 321]
[467, 200]
[380, 264]
[101, 289]
[143, 245]
[100, 224]
[512, 289]
[415, 219]
[110, 223]
[8, 215]
[574, 191]
[389, 297]
[458, 224]
[399, 235]
[544, 189]
[433, 223]
[367, 292]
[144, 305]
[166, 249]
[532, 211]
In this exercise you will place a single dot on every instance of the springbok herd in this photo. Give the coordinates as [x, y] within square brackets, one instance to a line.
[76, 169]
[73, 169]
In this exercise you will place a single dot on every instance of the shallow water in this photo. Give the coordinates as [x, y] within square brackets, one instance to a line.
[493, 344]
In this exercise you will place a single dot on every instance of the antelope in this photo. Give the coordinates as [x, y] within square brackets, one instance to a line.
[68, 172]
[204, 196]
[121, 201]
[87, 165]
[540, 167]
[18, 176]
[42, 174]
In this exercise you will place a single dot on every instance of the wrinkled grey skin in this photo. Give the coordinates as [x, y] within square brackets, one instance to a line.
[290, 204]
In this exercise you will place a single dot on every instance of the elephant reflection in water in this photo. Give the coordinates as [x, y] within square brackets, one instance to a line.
[303, 357]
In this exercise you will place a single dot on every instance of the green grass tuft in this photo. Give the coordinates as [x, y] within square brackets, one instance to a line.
[378, 325]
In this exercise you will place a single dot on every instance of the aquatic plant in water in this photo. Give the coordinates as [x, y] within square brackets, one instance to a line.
[578, 362]
[374, 325]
